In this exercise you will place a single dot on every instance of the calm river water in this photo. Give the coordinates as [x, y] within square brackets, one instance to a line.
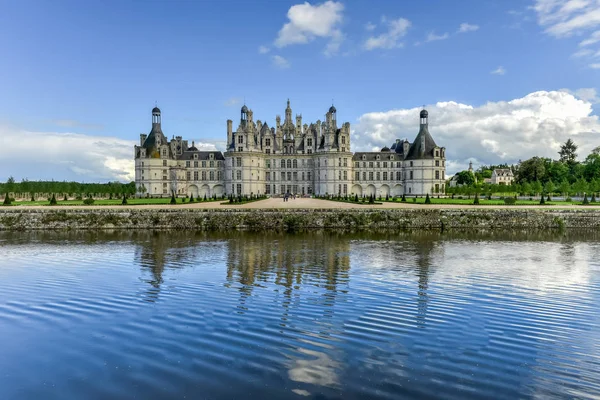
[323, 316]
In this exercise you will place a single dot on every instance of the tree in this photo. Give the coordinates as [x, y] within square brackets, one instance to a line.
[427, 199]
[403, 199]
[7, 200]
[536, 187]
[476, 199]
[124, 202]
[531, 170]
[192, 198]
[465, 178]
[53, 200]
[568, 152]
[564, 187]
[173, 201]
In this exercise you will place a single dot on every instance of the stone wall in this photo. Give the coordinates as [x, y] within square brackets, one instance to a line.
[289, 220]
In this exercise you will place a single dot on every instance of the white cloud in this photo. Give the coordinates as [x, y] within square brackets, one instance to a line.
[397, 29]
[465, 27]
[594, 38]
[280, 62]
[495, 132]
[68, 156]
[263, 49]
[562, 18]
[431, 37]
[595, 66]
[498, 71]
[582, 53]
[585, 94]
[307, 22]
[370, 26]
[232, 101]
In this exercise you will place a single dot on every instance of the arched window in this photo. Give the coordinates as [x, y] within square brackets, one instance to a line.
[282, 163]
[289, 163]
[295, 163]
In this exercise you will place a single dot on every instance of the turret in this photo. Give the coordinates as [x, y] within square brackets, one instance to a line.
[243, 115]
[424, 118]
[143, 137]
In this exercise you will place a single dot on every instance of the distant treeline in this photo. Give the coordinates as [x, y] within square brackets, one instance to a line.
[27, 188]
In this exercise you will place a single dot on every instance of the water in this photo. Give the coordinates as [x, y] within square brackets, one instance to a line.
[322, 316]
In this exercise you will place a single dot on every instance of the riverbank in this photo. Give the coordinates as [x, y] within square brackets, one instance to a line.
[75, 218]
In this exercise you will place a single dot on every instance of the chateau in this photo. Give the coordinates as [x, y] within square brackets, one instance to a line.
[289, 157]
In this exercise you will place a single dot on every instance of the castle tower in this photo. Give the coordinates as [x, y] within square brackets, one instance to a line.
[244, 116]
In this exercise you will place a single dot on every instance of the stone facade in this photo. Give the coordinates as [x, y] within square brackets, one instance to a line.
[290, 157]
[503, 176]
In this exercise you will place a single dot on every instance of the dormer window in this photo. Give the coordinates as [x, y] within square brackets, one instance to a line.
[391, 157]
[211, 156]
[378, 157]
[364, 157]
[437, 153]
[240, 139]
[195, 156]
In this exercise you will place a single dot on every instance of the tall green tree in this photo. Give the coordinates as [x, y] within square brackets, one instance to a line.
[568, 152]
[465, 178]
[531, 170]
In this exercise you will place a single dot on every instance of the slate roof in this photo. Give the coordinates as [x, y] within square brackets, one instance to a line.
[202, 155]
[423, 145]
[150, 142]
[372, 156]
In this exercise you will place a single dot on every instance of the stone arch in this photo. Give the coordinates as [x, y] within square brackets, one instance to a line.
[370, 190]
[398, 190]
[204, 190]
[384, 191]
[357, 189]
[193, 191]
[218, 190]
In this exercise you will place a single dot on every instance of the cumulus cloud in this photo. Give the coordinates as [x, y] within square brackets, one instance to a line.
[498, 71]
[496, 132]
[263, 49]
[465, 27]
[562, 18]
[68, 156]
[586, 94]
[396, 30]
[280, 62]
[307, 22]
[370, 26]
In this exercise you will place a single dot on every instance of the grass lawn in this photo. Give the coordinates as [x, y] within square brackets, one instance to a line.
[105, 202]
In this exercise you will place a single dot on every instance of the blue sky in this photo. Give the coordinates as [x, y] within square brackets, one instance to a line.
[92, 71]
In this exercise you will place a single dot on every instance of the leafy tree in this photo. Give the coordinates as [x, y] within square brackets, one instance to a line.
[465, 178]
[536, 187]
[476, 199]
[531, 170]
[526, 188]
[568, 152]
[549, 187]
[564, 187]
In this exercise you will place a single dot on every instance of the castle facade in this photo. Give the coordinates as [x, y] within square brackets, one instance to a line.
[290, 157]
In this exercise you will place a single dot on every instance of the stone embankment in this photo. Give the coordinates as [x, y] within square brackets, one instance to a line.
[297, 219]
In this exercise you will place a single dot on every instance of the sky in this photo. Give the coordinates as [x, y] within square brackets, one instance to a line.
[503, 80]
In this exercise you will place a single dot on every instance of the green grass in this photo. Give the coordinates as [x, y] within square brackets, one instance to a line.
[106, 202]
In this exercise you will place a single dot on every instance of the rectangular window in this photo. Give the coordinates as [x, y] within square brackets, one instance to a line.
[385, 164]
[195, 164]
[238, 174]
[282, 189]
[411, 163]
[357, 176]
[370, 164]
[303, 175]
[218, 175]
[268, 151]
[212, 175]
[345, 188]
[164, 163]
[309, 151]
[289, 163]
[385, 175]
[370, 176]
[240, 139]
[239, 188]
[339, 162]
[203, 164]
[267, 176]
[345, 175]
[187, 164]
[309, 141]
[378, 175]
[268, 163]
[188, 175]
[238, 161]
[203, 175]
[437, 163]
[283, 176]
[267, 187]
[364, 176]
[398, 164]
[308, 175]
[356, 165]
[345, 162]
[343, 139]
[289, 176]
[211, 164]
[268, 142]
[195, 175]
[309, 190]
[398, 175]
[295, 176]
[411, 174]
[240, 149]
[282, 163]
[437, 174]
[295, 164]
